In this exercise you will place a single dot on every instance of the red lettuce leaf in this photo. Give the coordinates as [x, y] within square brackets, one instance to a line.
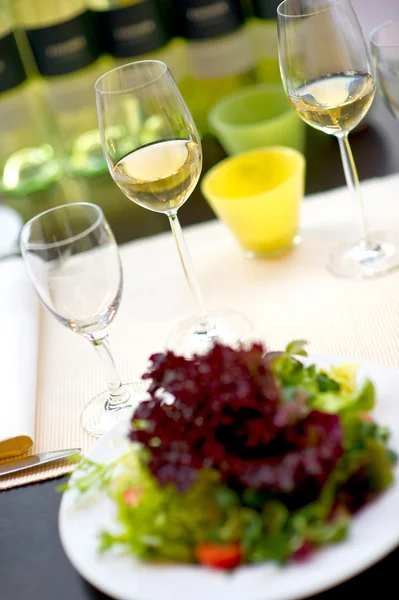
[228, 414]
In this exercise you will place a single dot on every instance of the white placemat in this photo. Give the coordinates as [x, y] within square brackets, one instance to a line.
[293, 296]
[19, 331]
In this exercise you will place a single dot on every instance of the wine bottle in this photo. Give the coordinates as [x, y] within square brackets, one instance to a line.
[61, 38]
[27, 157]
[134, 30]
[263, 30]
[220, 55]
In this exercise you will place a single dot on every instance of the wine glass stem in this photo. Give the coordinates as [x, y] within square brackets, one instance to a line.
[118, 394]
[204, 324]
[352, 180]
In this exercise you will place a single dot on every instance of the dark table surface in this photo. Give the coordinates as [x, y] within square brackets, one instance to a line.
[32, 563]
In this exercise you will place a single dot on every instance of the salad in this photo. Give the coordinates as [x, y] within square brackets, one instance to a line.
[241, 456]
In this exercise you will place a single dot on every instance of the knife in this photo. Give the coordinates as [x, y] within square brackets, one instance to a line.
[36, 460]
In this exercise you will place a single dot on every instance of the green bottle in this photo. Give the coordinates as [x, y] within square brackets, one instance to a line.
[263, 29]
[27, 157]
[130, 30]
[61, 37]
[219, 52]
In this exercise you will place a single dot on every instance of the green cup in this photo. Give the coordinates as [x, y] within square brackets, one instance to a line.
[255, 117]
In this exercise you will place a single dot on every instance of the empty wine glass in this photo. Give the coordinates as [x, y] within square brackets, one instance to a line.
[385, 50]
[73, 261]
[328, 76]
[154, 154]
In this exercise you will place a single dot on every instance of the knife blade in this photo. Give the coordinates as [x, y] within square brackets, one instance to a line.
[36, 460]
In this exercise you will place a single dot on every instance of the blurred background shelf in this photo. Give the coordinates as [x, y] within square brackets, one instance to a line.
[52, 53]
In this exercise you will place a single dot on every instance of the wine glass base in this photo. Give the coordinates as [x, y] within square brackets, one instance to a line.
[97, 418]
[364, 260]
[229, 328]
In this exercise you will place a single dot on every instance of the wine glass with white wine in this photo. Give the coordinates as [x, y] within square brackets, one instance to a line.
[328, 76]
[154, 154]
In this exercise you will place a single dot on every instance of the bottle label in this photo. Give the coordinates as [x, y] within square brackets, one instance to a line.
[132, 30]
[225, 57]
[65, 47]
[266, 9]
[205, 19]
[12, 70]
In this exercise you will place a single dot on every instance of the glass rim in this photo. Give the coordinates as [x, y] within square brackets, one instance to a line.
[286, 150]
[310, 14]
[25, 245]
[379, 28]
[134, 87]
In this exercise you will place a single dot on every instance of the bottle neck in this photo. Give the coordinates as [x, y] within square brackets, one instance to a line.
[33, 14]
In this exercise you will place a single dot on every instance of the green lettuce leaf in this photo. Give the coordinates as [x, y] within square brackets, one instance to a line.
[337, 403]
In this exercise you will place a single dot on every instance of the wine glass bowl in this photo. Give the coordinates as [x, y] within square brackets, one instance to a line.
[66, 274]
[385, 50]
[73, 261]
[152, 147]
[328, 75]
[154, 154]
[327, 70]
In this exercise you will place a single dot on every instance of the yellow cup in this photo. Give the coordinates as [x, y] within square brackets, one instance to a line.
[257, 195]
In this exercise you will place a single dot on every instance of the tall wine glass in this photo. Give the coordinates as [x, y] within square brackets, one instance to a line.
[154, 154]
[328, 76]
[73, 261]
[385, 50]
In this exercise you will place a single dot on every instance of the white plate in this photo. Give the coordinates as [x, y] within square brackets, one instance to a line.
[374, 533]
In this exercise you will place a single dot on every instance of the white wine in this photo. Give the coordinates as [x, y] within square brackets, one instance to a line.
[61, 38]
[160, 176]
[335, 103]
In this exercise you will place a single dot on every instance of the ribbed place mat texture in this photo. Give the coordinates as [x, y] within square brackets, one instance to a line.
[293, 296]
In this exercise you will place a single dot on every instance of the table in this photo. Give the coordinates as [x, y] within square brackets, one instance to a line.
[32, 563]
